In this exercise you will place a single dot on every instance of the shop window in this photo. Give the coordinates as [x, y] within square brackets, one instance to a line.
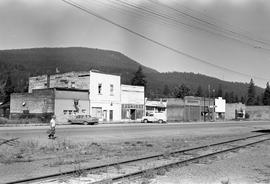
[72, 84]
[97, 112]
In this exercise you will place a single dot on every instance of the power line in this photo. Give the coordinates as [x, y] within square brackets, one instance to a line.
[220, 31]
[223, 29]
[156, 42]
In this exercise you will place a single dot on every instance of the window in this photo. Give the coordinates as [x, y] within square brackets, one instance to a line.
[111, 89]
[65, 111]
[97, 112]
[99, 89]
[72, 84]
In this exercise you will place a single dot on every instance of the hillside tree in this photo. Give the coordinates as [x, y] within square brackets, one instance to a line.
[182, 91]
[166, 90]
[139, 78]
[220, 91]
[8, 88]
[266, 95]
[199, 92]
[251, 96]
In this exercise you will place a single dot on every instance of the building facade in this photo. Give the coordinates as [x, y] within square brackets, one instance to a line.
[104, 95]
[132, 102]
[92, 93]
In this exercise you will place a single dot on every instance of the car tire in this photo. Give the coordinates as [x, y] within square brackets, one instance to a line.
[85, 123]
[145, 121]
[160, 121]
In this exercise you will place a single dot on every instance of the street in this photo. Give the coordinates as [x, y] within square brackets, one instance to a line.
[110, 132]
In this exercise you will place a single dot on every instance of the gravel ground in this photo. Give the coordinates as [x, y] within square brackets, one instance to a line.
[32, 158]
[247, 166]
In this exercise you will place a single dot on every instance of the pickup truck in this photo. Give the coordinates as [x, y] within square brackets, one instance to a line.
[155, 117]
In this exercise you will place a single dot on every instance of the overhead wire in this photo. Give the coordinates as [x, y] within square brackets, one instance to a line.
[217, 30]
[93, 13]
[223, 29]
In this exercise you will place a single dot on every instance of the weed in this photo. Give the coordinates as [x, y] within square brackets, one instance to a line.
[78, 171]
[117, 166]
[145, 181]
[225, 181]
[166, 155]
[149, 174]
[161, 171]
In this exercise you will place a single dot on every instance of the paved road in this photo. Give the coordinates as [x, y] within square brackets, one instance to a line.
[105, 132]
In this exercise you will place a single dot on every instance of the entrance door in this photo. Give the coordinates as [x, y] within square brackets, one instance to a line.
[111, 115]
[104, 115]
[132, 114]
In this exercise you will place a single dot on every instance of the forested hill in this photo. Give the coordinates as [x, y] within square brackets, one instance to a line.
[22, 63]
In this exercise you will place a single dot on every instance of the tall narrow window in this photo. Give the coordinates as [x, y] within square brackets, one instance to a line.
[99, 89]
[111, 89]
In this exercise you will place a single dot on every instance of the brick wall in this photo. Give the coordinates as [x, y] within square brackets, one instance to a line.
[34, 104]
[78, 80]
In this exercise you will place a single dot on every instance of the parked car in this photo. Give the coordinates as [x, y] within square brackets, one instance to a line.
[83, 119]
[155, 117]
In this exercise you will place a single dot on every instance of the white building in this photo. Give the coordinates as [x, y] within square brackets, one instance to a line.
[105, 97]
[220, 107]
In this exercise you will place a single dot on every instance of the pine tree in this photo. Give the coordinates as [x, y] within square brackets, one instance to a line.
[251, 97]
[8, 88]
[227, 97]
[138, 79]
[219, 92]
[199, 92]
[243, 100]
[231, 97]
[166, 90]
[266, 95]
[236, 99]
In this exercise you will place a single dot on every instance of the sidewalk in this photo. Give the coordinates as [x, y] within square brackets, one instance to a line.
[134, 122]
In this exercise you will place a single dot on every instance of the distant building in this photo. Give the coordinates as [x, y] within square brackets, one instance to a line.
[190, 109]
[220, 108]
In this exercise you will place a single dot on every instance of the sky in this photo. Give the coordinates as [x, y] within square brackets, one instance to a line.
[227, 39]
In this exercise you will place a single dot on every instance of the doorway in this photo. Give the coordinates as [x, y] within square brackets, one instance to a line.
[132, 114]
[111, 115]
[104, 115]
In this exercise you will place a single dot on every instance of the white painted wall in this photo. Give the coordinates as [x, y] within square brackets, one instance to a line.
[68, 104]
[106, 100]
[220, 104]
[132, 94]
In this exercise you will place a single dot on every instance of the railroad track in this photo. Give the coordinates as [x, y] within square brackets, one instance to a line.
[134, 168]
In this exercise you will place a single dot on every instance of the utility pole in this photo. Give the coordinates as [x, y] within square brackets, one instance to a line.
[209, 101]
[214, 113]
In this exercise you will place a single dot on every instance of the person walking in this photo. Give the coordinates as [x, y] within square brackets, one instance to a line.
[52, 127]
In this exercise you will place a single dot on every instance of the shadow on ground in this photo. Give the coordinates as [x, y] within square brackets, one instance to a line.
[262, 131]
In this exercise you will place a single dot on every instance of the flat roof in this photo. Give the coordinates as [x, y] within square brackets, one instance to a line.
[70, 89]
